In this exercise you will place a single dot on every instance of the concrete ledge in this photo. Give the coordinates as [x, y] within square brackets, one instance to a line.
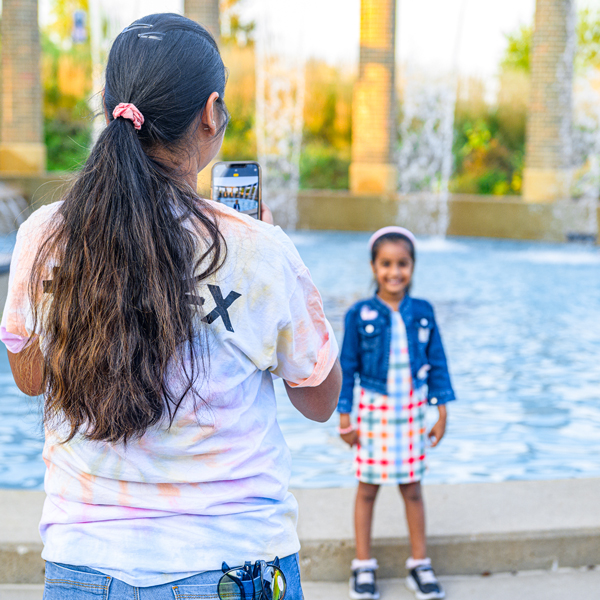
[473, 529]
[25, 157]
[20, 543]
[464, 555]
[21, 563]
[466, 215]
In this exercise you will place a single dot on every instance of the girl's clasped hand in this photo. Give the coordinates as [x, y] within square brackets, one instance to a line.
[393, 345]
[436, 433]
[349, 434]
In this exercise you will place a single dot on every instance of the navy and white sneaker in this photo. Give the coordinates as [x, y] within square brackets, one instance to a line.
[363, 584]
[423, 582]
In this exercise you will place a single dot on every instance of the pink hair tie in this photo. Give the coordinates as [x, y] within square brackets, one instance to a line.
[392, 229]
[129, 111]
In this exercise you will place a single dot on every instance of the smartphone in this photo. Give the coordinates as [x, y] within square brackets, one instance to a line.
[238, 185]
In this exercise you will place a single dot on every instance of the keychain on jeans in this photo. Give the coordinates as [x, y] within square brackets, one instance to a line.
[237, 583]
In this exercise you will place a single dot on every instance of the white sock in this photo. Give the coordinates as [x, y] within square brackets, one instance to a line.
[370, 563]
[413, 563]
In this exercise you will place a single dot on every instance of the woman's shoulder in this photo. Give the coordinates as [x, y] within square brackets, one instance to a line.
[247, 236]
[39, 219]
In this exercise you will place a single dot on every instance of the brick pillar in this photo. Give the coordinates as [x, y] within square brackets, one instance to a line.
[548, 160]
[373, 105]
[21, 125]
[205, 12]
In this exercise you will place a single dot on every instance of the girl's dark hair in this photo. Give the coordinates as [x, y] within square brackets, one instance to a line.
[130, 244]
[393, 237]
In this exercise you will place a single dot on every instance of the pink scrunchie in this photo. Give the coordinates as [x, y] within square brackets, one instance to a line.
[129, 111]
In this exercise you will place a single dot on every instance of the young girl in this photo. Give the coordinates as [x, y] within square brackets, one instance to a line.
[152, 321]
[393, 344]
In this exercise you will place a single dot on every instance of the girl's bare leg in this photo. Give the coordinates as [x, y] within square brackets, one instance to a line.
[363, 518]
[415, 518]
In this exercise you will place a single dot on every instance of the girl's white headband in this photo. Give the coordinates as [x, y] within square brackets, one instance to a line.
[392, 229]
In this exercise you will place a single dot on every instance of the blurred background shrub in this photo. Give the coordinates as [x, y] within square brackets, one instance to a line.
[66, 80]
[489, 139]
[327, 135]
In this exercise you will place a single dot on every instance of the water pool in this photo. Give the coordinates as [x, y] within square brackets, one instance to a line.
[521, 326]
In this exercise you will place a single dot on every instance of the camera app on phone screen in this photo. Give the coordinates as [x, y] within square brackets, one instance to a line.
[237, 186]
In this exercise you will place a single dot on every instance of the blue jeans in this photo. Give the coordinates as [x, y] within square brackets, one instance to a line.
[67, 582]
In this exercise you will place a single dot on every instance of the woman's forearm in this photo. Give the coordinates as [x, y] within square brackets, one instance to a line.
[318, 403]
[27, 368]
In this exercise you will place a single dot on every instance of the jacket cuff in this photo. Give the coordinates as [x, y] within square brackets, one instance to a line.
[344, 405]
[435, 399]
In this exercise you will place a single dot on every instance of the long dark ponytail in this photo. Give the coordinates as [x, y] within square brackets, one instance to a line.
[130, 243]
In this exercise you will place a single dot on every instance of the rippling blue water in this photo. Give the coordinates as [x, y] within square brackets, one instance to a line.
[521, 326]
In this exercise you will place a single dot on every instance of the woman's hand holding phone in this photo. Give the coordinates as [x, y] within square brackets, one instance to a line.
[265, 214]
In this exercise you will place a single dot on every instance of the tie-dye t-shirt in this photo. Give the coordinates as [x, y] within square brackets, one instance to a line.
[213, 487]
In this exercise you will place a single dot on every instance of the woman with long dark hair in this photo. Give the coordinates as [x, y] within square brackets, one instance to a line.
[152, 321]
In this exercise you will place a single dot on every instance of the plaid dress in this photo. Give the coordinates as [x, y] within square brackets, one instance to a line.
[392, 430]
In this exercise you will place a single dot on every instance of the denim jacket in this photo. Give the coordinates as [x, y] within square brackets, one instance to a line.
[366, 350]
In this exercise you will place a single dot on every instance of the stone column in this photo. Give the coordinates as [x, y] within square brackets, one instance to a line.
[548, 156]
[21, 125]
[205, 12]
[373, 106]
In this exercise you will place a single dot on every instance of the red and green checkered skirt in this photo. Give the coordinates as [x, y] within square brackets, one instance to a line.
[392, 429]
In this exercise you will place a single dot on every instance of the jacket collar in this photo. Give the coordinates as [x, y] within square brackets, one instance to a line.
[405, 307]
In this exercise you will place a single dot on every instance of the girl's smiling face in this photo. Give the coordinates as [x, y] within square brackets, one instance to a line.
[393, 269]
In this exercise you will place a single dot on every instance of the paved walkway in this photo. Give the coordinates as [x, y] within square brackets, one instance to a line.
[564, 584]
[528, 585]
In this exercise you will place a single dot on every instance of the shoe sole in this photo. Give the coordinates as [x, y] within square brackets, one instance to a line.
[413, 587]
[364, 596]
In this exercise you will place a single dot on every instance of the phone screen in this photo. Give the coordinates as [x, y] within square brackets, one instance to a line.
[238, 186]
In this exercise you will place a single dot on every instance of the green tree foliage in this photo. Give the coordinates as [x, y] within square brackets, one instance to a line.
[67, 118]
[517, 53]
[237, 49]
[486, 165]
[240, 140]
[489, 148]
[325, 155]
[327, 134]
[62, 13]
[588, 39]
[234, 29]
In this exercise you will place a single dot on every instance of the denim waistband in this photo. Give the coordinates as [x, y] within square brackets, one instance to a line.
[70, 582]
